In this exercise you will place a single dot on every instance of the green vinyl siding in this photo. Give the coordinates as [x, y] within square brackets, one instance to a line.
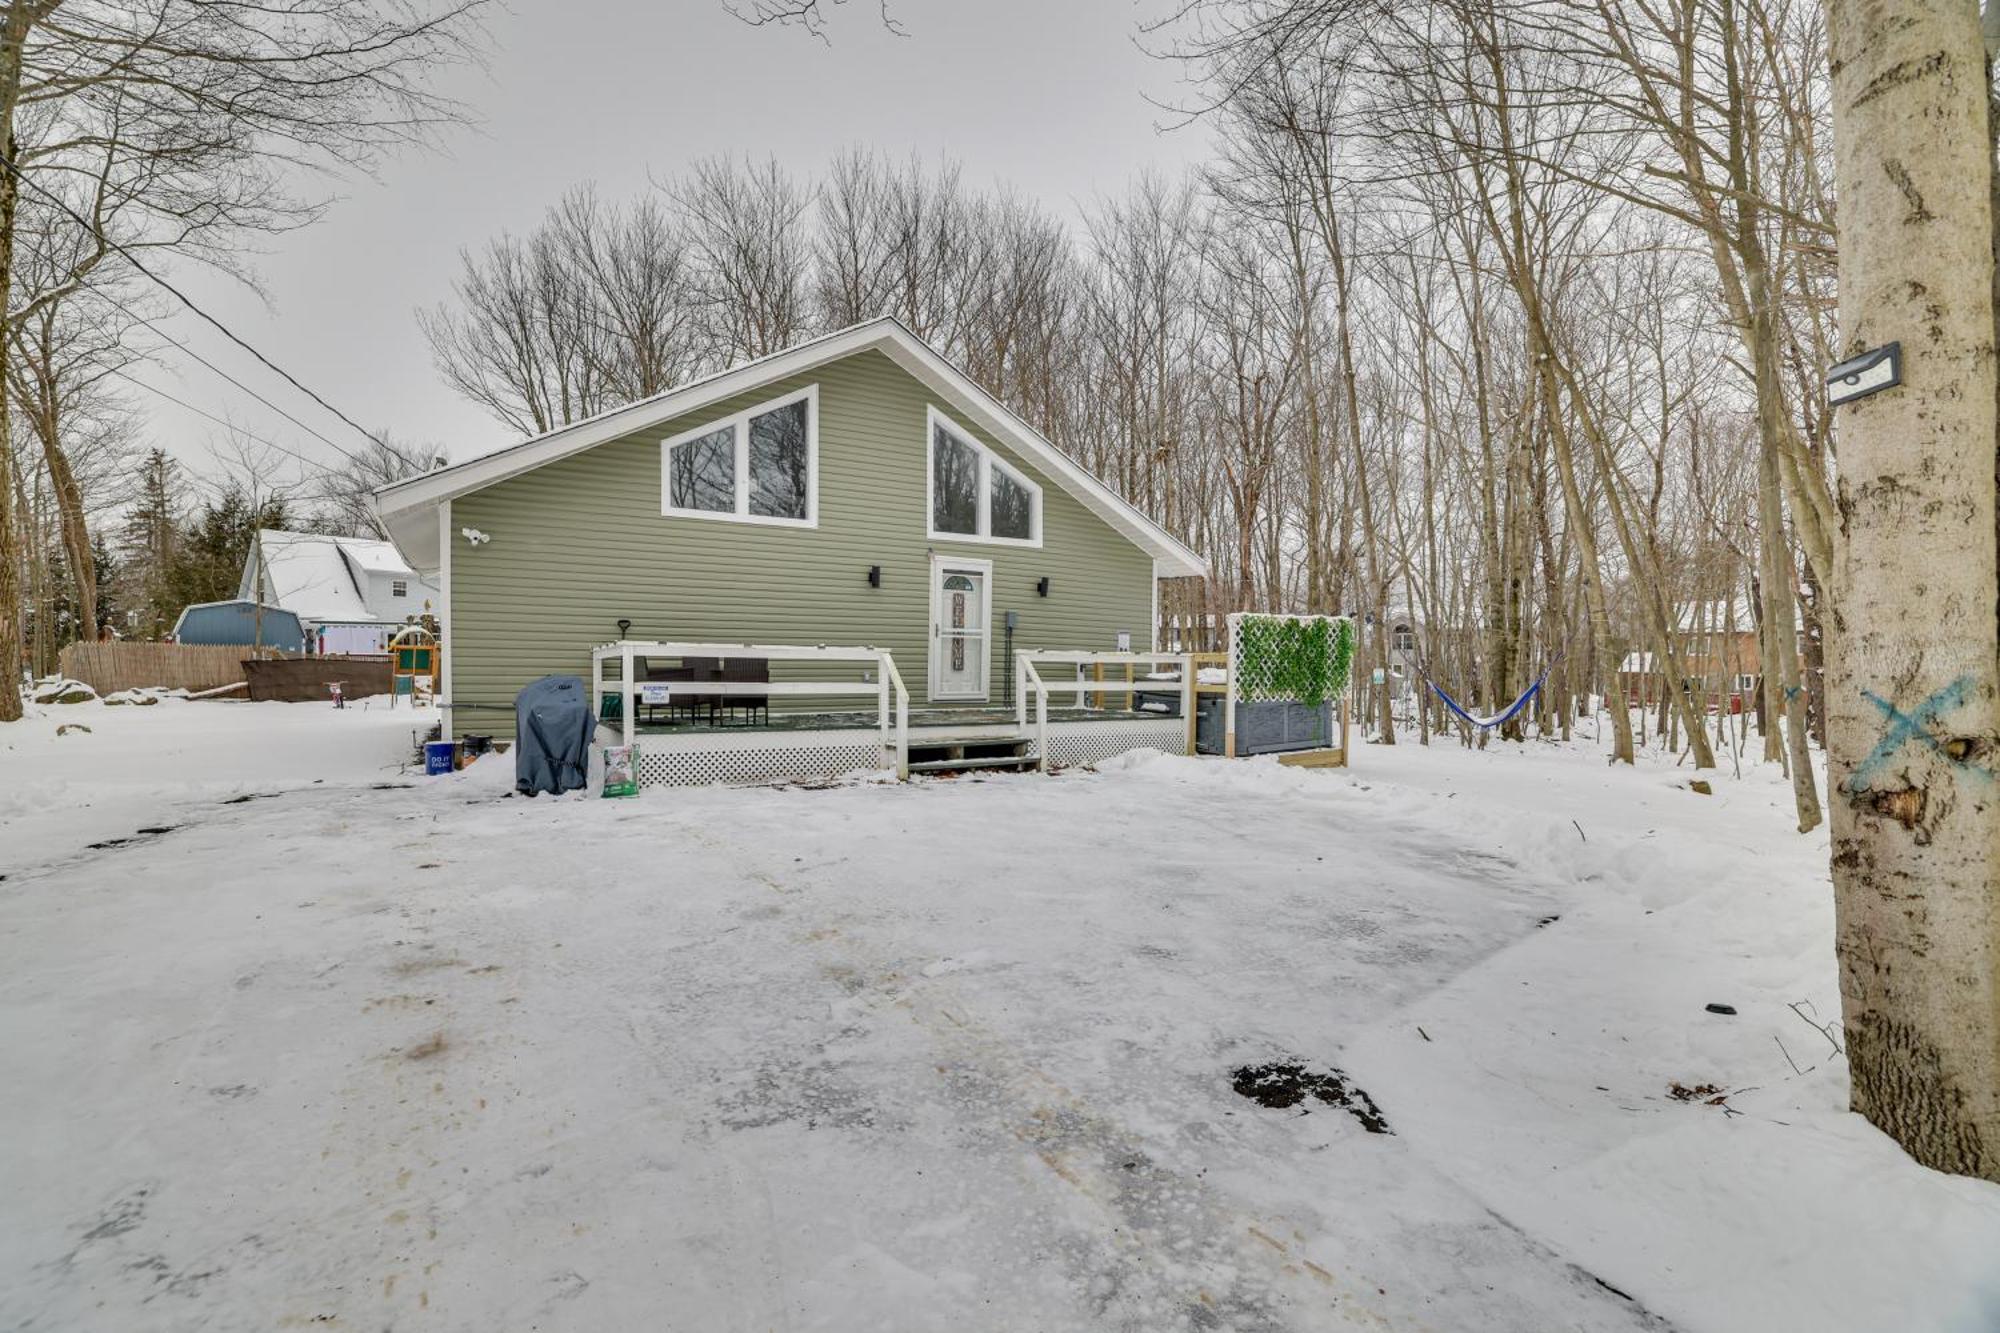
[581, 543]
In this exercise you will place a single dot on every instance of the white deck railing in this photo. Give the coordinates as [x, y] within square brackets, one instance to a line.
[892, 699]
[1028, 679]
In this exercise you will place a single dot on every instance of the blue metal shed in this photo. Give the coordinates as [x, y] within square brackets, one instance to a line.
[235, 622]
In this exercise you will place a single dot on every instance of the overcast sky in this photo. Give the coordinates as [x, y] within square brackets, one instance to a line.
[1049, 95]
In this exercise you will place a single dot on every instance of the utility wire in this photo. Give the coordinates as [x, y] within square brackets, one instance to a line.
[226, 425]
[180, 296]
[197, 356]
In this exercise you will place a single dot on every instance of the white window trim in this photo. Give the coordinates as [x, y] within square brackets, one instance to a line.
[940, 566]
[739, 424]
[988, 460]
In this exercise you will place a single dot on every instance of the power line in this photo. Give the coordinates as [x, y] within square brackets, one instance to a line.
[184, 299]
[122, 374]
[218, 370]
[135, 315]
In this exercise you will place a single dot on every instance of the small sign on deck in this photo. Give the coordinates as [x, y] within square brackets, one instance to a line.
[1871, 372]
[655, 693]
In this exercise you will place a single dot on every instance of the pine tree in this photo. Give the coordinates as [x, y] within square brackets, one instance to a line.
[149, 545]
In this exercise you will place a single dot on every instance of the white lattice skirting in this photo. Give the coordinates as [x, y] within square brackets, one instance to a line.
[1077, 743]
[795, 756]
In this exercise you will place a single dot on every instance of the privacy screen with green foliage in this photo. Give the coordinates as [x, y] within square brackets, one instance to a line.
[1306, 658]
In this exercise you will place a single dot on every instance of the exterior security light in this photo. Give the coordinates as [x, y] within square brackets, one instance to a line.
[874, 576]
[1042, 585]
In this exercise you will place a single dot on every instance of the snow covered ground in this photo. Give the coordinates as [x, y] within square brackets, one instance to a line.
[120, 768]
[956, 1054]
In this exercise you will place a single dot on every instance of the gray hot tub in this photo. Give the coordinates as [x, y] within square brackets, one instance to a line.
[1271, 726]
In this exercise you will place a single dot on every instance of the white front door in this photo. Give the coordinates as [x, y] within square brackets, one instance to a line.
[959, 602]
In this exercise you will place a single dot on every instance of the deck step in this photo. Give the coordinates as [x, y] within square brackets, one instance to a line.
[983, 761]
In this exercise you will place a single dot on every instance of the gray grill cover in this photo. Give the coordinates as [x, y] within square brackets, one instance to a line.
[552, 731]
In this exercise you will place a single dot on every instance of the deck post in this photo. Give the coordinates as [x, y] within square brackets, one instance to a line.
[1041, 725]
[1343, 730]
[626, 688]
[1188, 698]
[902, 732]
[1229, 711]
[1229, 690]
[882, 698]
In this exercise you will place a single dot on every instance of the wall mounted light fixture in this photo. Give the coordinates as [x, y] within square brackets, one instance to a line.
[874, 576]
[1042, 585]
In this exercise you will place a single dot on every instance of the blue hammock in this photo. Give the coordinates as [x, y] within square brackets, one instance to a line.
[1500, 719]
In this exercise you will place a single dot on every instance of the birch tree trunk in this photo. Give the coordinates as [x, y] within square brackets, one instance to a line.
[1912, 692]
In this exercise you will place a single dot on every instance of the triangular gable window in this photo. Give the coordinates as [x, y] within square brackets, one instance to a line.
[975, 496]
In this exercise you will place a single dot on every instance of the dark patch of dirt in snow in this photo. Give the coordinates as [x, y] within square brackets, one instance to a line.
[1286, 1083]
[119, 1216]
[138, 835]
[814, 1094]
[409, 967]
[250, 796]
[433, 1045]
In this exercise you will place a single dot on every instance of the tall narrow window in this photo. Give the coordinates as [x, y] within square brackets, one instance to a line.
[954, 484]
[759, 466]
[975, 496]
[778, 463]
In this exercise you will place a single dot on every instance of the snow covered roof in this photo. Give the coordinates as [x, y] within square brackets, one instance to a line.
[317, 576]
[374, 557]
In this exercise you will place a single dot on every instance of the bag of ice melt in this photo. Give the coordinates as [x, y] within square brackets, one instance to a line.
[621, 770]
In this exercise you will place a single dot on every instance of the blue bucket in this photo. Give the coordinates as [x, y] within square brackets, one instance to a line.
[438, 757]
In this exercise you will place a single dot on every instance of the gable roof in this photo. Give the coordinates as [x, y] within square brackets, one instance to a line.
[408, 508]
[317, 576]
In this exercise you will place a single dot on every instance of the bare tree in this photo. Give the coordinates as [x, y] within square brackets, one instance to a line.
[744, 228]
[597, 306]
[342, 494]
[188, 114]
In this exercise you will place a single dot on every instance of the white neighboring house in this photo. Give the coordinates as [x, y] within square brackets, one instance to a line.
[352, 593]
